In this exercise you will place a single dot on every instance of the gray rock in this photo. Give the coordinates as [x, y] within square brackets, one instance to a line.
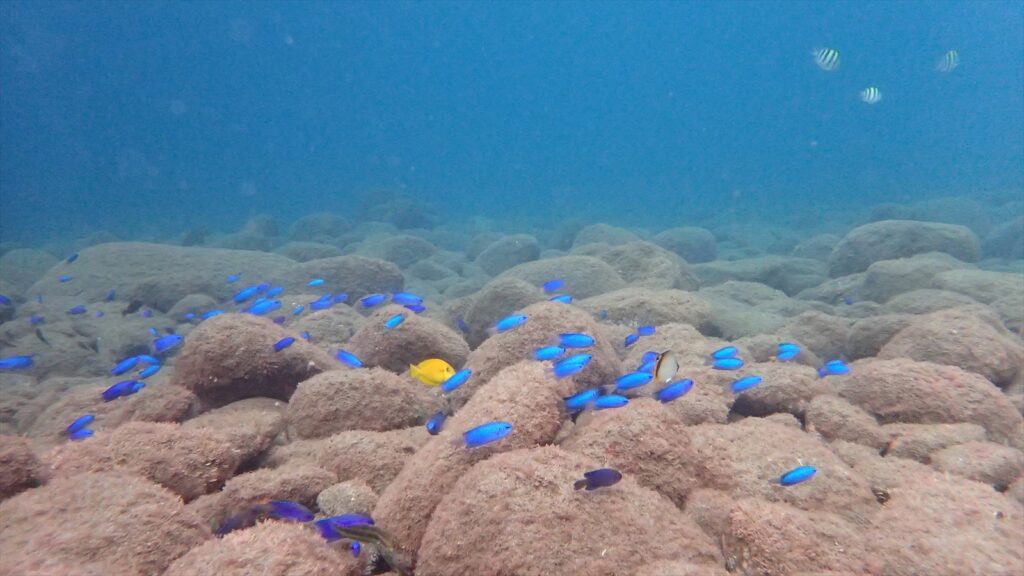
[890, 239]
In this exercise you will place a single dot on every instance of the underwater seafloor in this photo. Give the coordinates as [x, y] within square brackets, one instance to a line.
[900, 382]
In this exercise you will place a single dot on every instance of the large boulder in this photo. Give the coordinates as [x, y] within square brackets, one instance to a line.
[187, 461]
[786, 273]
[887, 278]
[890, 239]
[103, 523]
[506, 252]
[355, 275]
[695, 245]
[277, 548]
[903, 390]
[232, 357]
[646, 265]
[531, 491]
[972, 338]
[158, 275]
[416, 339]
[364, 399]
[584, 276]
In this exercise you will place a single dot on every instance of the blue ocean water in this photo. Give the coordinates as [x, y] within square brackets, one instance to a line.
[145, 119]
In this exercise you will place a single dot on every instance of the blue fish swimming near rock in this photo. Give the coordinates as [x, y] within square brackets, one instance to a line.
[599, 478]
[486, 434]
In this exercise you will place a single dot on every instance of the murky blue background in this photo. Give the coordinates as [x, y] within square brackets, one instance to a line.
[147, 118]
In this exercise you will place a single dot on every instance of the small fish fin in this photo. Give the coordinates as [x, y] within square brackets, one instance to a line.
[579, 484]
[414, 371]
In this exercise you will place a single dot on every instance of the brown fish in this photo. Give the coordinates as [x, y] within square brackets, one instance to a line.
[397, 559]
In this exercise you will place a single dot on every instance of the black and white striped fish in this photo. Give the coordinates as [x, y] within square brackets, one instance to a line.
[827, 59]
[871, 95]
[948, 62]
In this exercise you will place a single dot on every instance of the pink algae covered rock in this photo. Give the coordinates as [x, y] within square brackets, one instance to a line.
[643, 439]
[747, 458]
[353, 496]
[920, 441]
[250, 425]
[903, 390]
[372, 457]
[868, 335]
[525, 395]
[20, 469]
[689, 346]
[414, 340]
[823, 334]
[786, 387]
[527, 519]
[960, 337]
[299, 484]
[947, 526]
[189, 462]
[545, 321]
[710, 400]
[775, 538]
[109, 523]
[837, 419]
[364, 399]
[231, 357]
[154, 403]
[678, 568]
[267, 549]
[985, 462]
[642, 306]
[499, 298]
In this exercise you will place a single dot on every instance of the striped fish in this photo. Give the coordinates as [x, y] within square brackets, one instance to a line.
[827, 59]
[948, 62]
[386, 549]
[871, 95]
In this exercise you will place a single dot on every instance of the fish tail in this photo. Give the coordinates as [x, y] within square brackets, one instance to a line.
[579, 484]
[414, 371]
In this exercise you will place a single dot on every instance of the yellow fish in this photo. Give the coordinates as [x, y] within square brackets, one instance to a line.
[431, 372]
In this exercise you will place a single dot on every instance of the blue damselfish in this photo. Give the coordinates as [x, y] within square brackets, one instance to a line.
[486, 433]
